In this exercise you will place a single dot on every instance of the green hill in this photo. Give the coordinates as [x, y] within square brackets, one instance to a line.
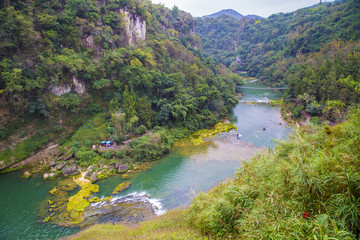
[134, 61]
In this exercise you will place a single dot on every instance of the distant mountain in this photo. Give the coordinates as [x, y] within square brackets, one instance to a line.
[254, 17]
[232, 13]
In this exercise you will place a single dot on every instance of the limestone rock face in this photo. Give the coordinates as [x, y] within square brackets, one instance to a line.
[68, 171]
[60, 90]
[134, 31]
[77, 87]
[89, 42]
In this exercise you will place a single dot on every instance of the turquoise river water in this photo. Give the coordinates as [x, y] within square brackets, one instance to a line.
[172, 181]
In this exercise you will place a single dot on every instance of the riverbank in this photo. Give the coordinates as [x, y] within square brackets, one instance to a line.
[304, 187]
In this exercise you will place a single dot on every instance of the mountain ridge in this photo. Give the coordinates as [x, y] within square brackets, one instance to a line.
[232, 13]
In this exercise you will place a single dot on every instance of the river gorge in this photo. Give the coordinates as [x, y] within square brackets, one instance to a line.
[171, 182]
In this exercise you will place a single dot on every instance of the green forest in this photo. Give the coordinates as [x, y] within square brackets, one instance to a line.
[77, 57]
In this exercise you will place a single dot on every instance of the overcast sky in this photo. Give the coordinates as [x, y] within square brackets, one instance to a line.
[263, 8]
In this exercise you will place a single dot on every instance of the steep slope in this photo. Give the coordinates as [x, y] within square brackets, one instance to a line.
[62, 62]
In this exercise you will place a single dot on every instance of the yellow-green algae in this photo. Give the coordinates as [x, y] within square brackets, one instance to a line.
[198, 137]
[107, 199]
[121, 187]
[94, 199]
[125, 176]
[77, 203]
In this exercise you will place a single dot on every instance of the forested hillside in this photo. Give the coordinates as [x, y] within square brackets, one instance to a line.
[260, 43]
[312, 50]
[130, 62]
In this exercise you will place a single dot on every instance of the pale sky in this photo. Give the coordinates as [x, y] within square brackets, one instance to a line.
[263, 8]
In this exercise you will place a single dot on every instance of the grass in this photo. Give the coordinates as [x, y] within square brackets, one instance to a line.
[172, 225]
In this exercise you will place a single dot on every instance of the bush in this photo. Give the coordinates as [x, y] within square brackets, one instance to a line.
[88, 143]
[76, 144]
[315, 120]
[141, 130]
[107, 155]
[120, 154]
[115, 139]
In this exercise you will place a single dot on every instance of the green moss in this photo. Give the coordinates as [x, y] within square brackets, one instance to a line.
[121, 187]
[107, 199]
[7, 170]
[125, 176]
[94, 199]
[276, 102]
[105, 174]
[198, 137]
[77, 203]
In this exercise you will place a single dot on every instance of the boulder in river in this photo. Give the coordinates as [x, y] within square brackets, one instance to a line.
[26, 175]
[93, 177]
[69, 171]
[121, 168]
[49, 176]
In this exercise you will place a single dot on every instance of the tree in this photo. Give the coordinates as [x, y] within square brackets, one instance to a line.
[143, 108]
[128, 103]
[17, 31]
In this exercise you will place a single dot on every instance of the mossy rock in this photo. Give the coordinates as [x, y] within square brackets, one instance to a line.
[121, 187]
[77, 203]
[125, 176]
[26, 175]
[69, 187]
[107, 199]
[198, 137]
[58, 193]
[94, 200]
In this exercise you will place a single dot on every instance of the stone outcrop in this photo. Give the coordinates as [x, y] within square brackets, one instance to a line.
[134, 31]
[60, 90]
[76, 86]
[121, 168]
[48, 176]
[69, 171]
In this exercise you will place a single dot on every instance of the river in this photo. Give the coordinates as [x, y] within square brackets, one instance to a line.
[172, 181]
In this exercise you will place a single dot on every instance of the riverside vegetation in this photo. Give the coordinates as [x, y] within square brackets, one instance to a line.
[307, 188]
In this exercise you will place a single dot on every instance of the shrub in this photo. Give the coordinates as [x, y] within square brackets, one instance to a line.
[120, 154]
[107, 155]
[141, 130]
[115, 139]
[88, 143]
[76, 144]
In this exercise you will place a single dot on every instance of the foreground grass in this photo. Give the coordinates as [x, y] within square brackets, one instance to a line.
[172, 225]
[307, 188]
